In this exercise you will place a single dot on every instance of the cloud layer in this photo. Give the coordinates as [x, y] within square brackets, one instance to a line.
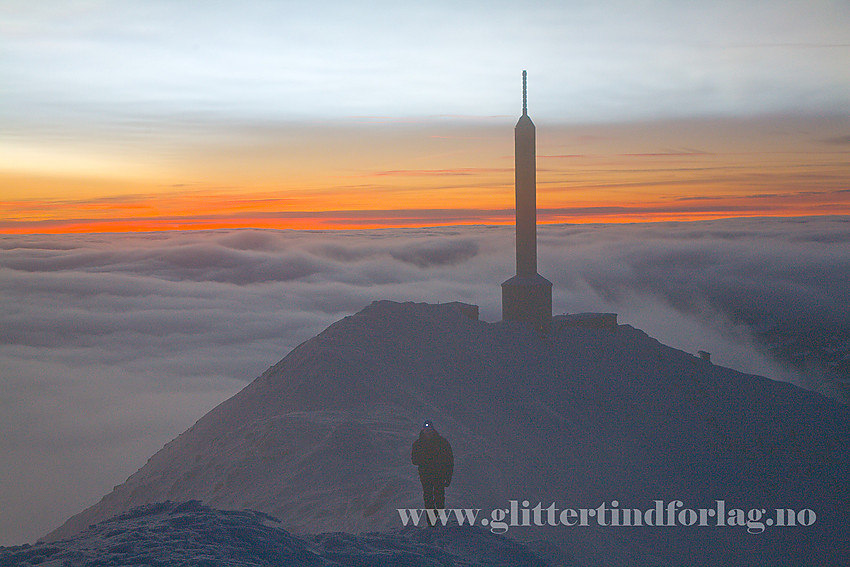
[113, 344]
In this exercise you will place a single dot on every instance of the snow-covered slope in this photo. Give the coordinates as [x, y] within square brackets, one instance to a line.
[321, 440]
[191, 534]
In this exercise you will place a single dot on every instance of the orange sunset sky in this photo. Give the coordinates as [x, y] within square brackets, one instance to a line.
[159, 116]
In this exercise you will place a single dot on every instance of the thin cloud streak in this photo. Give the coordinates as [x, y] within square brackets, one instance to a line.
[462, 171]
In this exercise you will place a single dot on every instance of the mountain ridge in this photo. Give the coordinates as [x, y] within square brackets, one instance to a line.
[321, 439]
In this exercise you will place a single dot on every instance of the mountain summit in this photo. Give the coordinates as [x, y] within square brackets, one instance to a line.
[584, 415]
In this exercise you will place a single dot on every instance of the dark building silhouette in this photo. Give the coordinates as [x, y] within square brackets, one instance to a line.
[527, 296]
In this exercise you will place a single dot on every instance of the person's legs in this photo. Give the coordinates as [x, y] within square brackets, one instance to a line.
[428, 494]
[439, 495]
[427, 490]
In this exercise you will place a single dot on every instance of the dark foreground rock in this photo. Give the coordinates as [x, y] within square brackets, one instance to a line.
[191, 534]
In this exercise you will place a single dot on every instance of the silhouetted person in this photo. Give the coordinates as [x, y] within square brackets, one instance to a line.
[433, 455]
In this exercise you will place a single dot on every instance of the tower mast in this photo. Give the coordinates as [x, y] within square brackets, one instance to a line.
[525, 183]
[528, 295]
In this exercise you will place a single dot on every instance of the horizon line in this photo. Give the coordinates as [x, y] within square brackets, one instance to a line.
[128, 227]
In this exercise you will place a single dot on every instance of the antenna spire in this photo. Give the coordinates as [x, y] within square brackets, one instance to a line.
[524, 93]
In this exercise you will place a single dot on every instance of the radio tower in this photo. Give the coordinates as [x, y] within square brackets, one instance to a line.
[527, 296]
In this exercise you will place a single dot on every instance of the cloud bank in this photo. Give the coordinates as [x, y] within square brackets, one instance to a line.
[113, 344]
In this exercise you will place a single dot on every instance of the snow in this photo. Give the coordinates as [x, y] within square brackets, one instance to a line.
[587, 415]
[189, 533]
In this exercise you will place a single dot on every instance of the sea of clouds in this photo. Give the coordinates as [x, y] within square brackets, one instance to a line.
[113, 344]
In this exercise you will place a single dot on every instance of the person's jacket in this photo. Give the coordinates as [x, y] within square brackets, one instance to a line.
[432, 453]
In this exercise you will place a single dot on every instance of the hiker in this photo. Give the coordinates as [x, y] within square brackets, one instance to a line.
[432, 453]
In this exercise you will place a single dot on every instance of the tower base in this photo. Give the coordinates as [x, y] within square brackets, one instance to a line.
[528, 298]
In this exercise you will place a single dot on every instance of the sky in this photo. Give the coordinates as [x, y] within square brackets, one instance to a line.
[161, 115]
